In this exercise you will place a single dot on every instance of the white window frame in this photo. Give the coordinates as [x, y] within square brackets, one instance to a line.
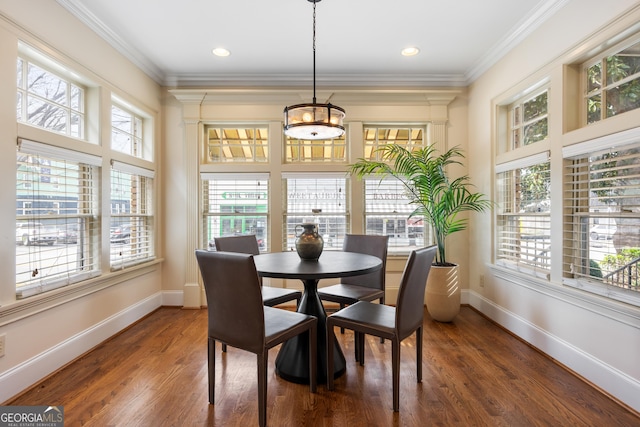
[249, 190]
[251, 145]
[54, 265]
[138, 244]
[326, 204]
[579, 219]
[65, 107]
[604, 87]
[534, 257]
[316, 151]
[393, 209]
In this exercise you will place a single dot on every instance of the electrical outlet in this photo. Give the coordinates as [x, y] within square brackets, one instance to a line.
[482, 280]
[2, 338]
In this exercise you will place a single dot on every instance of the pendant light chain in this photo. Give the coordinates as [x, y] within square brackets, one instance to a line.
[314, 121]
[314, 52]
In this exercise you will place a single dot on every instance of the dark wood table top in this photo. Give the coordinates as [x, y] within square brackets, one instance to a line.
[288, 265]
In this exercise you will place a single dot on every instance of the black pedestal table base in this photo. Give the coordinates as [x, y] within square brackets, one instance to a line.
[292, 362]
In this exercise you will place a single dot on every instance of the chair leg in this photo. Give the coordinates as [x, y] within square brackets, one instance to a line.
[395, 367]
[361, 337]
[313, 358]
[356, 345]
[224, 348]
[211, 363]
[382, 302]
[330, 338]
[419, 353]
[341, 329]
[262, 387]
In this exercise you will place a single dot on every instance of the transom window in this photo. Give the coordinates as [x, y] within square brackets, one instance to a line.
[528, 122]
[237, 144]
[378, 136]
[126, 132]
[329, 150]
[49, 101]
[613, 84]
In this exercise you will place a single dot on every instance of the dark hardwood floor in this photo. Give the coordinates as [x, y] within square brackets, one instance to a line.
[474, 374]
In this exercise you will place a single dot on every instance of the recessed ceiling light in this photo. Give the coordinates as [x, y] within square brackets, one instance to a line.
[410, 51]
[220, 51]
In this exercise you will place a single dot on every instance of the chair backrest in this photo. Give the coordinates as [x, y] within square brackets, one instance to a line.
[245, 244]
[410, 304]
[234, 299]
[369, 245]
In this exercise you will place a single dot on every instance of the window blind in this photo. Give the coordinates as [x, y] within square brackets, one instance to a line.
[57, 218]
[387, 211]
[523, 220]
[233, 204]
[602, 242]
[319, 198]
[132, 219]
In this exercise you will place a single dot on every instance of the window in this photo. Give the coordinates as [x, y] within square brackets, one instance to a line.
[523, 221]
[235, 144]
[329, 150]
[57, 211]
[131, 228]
[612, 84]
[49, 101]
[376, 137]
[126, 132]
[528, 122]
[235, 204]
[387, 211]
[319, 198]
[602, 243]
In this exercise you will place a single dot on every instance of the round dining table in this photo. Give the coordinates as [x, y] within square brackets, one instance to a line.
[292, 362]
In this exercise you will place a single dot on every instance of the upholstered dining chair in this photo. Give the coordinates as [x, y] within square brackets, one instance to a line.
[237, 317]
[393, 323]
[368, 287]
[248, 244]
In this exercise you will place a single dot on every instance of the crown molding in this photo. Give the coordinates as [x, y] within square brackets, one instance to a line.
[118, 43]
[543, 11]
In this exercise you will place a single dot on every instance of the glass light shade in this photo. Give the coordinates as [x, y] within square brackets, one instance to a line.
[313, 121]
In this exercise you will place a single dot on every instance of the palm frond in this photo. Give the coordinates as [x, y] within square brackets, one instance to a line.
[423, 173]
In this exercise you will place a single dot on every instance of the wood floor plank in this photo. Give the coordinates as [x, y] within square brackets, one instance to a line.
[474, 374]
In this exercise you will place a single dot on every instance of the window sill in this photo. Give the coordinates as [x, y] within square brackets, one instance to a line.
[21, 309]
[622, 312]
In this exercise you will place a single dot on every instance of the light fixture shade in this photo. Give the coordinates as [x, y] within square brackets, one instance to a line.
[313, 121]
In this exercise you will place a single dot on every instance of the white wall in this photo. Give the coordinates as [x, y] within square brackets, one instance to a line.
[45, 332]
[591, 335]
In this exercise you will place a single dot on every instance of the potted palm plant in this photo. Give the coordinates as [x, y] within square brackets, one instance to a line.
[440, 201]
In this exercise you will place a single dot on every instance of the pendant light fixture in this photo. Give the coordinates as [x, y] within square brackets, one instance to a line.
[314, 121]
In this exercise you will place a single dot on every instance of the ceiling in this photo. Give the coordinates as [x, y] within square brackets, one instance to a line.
[358, 42]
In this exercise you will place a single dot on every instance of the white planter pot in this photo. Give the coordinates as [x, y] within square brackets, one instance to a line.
[442, 295]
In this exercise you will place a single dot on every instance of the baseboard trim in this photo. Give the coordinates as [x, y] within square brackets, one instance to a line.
[17, 379]
[610, 380]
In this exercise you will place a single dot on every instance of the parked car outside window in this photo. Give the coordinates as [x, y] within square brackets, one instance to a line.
[120, 234]
[602, 232]
[35, 233]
